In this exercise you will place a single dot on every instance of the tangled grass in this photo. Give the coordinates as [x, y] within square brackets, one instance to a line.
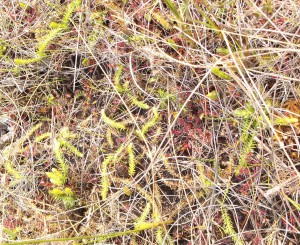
[149, 122]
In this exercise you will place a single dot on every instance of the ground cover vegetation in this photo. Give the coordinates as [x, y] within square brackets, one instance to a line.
[149, 122]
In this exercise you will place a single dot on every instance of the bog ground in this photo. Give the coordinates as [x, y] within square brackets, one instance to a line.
[149, 122]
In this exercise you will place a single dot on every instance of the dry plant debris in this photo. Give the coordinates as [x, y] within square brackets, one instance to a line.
[149, 122]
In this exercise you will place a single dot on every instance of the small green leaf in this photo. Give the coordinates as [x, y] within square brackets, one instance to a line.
[217, 71]
[172, 44]
[223, 51]
[213, 95]
[86, 62]
[24, 5]
[12, 233]
[127, 191]
[147, 17]
[295, 204]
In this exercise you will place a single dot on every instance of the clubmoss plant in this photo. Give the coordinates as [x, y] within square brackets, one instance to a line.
[66, 145]
[164, 97]
[60, 159]
[285, 121]
[57, 177]
[109, 138]
[152, 122]
[60, 176]
[154, 204]
[117, 79]
[13, 149]
[161, 20]
[227, 222]
[42, 137]
[104, 177]
[110, 159]
[57, 29]
[65, 195]
[143, 217]
[207, 183]
[141, 220]
[228, 226]
[132, 160]
[249, 129]
[112, 123]
[139, 103]
[61, 143]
